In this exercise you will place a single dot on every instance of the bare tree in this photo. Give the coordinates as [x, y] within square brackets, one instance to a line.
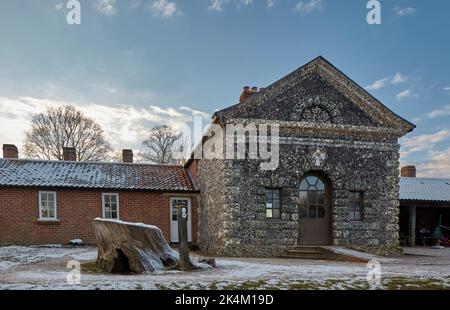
[65, 127]
[160, 145]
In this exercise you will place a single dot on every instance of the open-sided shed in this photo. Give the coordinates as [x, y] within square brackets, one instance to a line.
[424, 205]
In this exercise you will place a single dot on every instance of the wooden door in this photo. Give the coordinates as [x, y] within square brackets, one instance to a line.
[314, 211]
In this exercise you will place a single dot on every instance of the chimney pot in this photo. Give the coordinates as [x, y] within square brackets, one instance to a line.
[127, 156]
[69, 154]
[408, 172]
[247, 93]
[10, 151]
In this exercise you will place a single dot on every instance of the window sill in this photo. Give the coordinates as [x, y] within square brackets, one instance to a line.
[47, 222]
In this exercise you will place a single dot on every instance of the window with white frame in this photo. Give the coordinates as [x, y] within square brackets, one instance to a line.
[111, 206]
[47, 206]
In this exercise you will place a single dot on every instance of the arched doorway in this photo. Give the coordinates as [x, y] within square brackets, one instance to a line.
[314, 211]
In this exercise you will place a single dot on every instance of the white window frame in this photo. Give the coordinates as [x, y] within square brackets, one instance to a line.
[40, 207]
[103, 205]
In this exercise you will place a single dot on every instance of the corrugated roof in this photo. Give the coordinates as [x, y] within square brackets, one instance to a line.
[424, 189]
[38, 173]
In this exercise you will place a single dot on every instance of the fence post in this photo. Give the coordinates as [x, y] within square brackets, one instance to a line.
[183, 246]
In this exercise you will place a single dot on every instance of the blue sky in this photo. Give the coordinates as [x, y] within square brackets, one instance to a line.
[133, 64]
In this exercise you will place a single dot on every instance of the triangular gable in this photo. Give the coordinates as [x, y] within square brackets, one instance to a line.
[317, 92]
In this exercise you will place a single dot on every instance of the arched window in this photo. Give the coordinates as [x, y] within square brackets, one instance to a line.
[312, 197]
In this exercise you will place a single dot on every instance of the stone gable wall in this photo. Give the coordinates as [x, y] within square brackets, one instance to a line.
[235, 208]
[318, 110]
[309, 99]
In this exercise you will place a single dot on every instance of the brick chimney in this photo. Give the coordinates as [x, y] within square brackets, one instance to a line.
[408, 171]
[69, 154]
[127, 156]
[10, 151]
[247, 92]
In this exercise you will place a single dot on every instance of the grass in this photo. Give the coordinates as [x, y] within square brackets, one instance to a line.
[402, 283]
[398, 283]
[395, 283]
[90, 267]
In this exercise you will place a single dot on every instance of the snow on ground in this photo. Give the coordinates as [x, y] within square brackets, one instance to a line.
[46, 268]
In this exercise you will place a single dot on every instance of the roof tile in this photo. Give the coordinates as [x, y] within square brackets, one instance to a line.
[424, 189]
[94, 175]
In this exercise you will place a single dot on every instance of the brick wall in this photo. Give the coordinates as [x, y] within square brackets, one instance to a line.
[76, 209]
[193, 168]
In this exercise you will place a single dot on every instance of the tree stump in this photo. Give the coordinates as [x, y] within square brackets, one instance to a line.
[132, 248]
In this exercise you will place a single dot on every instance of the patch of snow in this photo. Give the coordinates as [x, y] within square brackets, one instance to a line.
[84, 256]
[15, 256]
[127, 223]
[359, 254]
[37, 268]
[76, 241]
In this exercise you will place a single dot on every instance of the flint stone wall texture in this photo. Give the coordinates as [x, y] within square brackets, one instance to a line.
[357, 157]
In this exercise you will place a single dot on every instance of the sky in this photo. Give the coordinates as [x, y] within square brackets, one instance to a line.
[135, 64]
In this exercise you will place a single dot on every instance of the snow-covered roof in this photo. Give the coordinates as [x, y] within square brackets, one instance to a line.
[424, 189]
[38, 173]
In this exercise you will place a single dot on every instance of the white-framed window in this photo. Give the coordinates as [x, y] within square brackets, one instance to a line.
[47, 206]
[110, 206]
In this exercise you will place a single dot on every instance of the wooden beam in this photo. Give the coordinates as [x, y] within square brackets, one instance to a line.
[412, 225]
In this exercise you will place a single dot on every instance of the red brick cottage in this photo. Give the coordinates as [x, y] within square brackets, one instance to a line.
[44, 202]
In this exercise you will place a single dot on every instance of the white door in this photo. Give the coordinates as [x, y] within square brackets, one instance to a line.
[174, 202]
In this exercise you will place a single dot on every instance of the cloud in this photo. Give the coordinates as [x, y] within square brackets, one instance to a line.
[437, 165]
[423, 142]
[164, 8]
[125, 126]
[406, 94]
[195, 112]
[444, 111]
[399, 78]
[217, 5]
[404, 11]
[396, 79]
[246, 2]
[447, 88]
[308, 7]
[59, 6]
[377, 84]
[106, 7]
